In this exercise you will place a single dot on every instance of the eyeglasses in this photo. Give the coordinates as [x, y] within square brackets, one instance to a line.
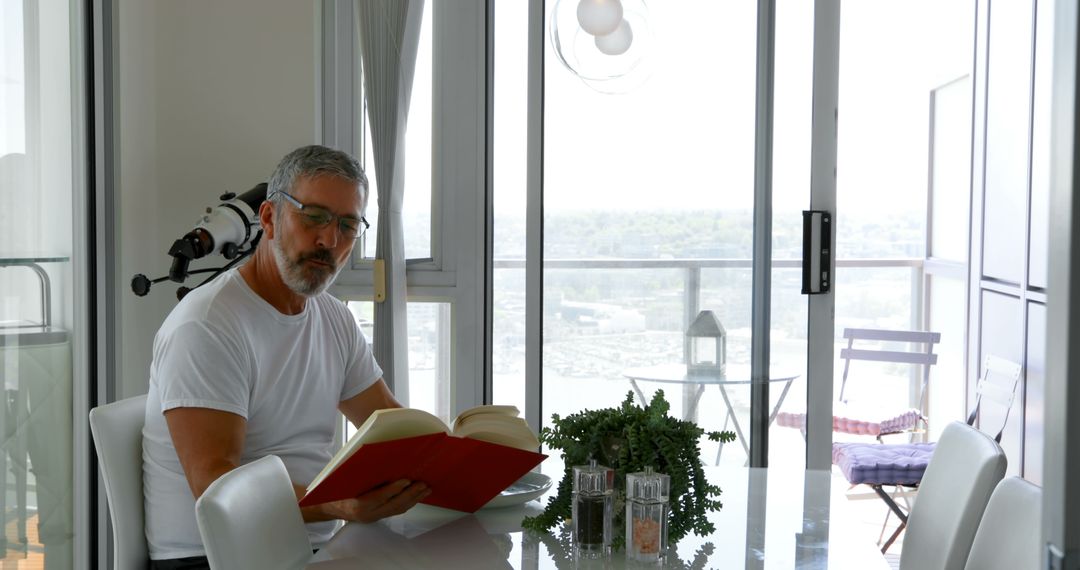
[316, 217]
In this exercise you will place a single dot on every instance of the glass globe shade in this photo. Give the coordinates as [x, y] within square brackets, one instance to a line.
[628, 61]
[599, 17]
[617, 42]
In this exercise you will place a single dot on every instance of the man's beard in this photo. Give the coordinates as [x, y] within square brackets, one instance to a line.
[302, 278]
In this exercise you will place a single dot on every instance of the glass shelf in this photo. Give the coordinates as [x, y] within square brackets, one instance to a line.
[32, 259]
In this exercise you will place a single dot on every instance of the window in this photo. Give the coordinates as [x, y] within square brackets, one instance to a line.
[417, 212]
[443, 219]
[13, 80]
[430, 325]
[509, 193]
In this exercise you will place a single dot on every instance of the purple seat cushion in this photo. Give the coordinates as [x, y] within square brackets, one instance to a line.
[882, 464]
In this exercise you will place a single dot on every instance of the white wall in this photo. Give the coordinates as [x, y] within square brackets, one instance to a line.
[211, 95]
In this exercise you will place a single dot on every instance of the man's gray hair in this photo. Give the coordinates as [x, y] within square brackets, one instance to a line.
[315, 160]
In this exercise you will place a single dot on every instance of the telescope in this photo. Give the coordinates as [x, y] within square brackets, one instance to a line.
[231, 228]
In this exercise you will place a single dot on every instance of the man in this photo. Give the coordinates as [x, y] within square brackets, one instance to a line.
[255, 362]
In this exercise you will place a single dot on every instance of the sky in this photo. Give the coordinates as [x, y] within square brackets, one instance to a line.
[684, 138]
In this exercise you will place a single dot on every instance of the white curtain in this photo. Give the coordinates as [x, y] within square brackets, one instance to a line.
[389, 34]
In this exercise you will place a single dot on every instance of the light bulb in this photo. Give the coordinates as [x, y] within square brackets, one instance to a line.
[617, 42]
[599, 17]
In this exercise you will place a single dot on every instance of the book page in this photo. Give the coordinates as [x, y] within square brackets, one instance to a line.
[500, 409]
[397, 423]
[503, 430]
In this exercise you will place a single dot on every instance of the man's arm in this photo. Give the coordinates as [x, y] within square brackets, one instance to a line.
[209, 444]
[376, 397]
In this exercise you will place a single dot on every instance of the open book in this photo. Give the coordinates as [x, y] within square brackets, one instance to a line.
[488, 449]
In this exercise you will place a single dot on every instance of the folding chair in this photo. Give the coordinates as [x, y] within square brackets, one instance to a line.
[874, 419]
[903, 464]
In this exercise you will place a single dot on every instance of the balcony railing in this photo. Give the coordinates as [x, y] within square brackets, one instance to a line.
[692, 279]
[693, 267]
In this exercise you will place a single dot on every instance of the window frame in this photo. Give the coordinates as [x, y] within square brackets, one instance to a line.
[455, 272]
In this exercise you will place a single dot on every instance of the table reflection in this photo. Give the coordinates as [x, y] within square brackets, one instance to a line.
[556, 548]
[770, 519]
[462, 543]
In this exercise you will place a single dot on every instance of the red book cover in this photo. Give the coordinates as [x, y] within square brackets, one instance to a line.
[463, 473]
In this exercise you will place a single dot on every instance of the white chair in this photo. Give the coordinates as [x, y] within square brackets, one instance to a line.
[117, 432]
[902, 464]
[1009, 536]
[249, 519]
[966, 466]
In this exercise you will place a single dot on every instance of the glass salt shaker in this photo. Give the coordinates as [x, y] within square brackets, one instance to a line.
[593, 507]
[647, 497]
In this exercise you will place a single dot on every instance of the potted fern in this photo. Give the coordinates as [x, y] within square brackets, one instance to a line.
[627, 439]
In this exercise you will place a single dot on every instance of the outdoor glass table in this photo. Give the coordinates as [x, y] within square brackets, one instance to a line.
[771, 519]
[736, 375]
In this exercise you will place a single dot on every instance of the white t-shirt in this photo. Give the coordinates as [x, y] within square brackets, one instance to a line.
[225, 348]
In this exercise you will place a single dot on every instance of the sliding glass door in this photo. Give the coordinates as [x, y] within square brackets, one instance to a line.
[40, 316]
[663, 166]
[640, 184]
[649, 210]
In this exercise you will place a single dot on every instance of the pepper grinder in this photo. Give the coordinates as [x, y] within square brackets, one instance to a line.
[647, 496]
[593, 507]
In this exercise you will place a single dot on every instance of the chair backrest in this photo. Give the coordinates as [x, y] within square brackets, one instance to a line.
[1010, 533]
[966, 466]
[117, 432]
[922, 356]
[998, 386]
[249, 519]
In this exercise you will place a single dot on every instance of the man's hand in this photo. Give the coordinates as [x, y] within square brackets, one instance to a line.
[385, 501]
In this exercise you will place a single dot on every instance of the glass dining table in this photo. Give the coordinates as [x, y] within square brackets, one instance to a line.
[771, 518]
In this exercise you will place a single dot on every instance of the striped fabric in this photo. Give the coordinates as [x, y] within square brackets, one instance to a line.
[877, 464]
[859, 421]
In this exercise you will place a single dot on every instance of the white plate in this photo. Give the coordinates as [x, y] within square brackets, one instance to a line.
[529, 487]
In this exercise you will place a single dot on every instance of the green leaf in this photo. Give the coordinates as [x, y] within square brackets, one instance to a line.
[629, 438]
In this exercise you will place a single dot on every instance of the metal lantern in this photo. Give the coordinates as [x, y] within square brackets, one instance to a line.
[707, 341]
